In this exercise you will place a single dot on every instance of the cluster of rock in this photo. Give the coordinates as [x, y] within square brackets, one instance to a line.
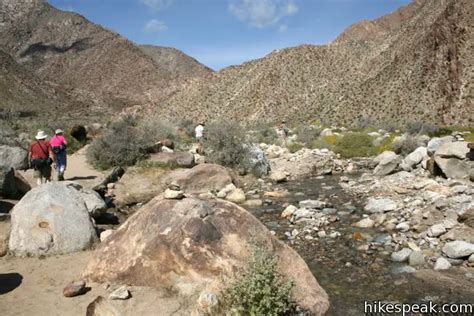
[422, 221]
[303, 163]
[441, 156]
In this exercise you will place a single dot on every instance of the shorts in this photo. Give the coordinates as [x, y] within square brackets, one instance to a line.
[42, 172]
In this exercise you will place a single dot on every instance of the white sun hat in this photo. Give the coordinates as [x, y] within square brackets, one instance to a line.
[41, 135]
[58, 131]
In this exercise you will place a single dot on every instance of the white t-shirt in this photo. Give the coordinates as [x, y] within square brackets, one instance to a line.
[199, 131]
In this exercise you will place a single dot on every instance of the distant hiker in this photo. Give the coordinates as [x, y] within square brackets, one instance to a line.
[58, 145]
[283, 131]
[41, 158]
[199, 132]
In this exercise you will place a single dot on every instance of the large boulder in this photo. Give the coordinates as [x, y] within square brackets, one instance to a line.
[194, 246]
[7, 182]
[454, 168]
[436, 143]
[201, 178]
[14, 157]
[452, 159]
[173, 159]
[79, 132]
[51, 219]
[457, 150]
[458, 249]
[258, 162]
[414, 158]
[387, 163]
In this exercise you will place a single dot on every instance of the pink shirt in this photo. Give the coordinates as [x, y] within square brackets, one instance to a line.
[57, 141]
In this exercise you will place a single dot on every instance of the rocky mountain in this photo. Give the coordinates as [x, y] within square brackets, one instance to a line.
[87, 61]
[415, 64]
[179, 64]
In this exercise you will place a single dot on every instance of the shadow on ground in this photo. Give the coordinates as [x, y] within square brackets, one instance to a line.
[9, 282]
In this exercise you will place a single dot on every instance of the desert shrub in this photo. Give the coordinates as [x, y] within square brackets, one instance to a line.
[187, 126]
[73, 144]
[294, 147]
[259, 289]
[264, 133]
[156, 129]
[226, 144]
[308, 134]
[469, 137]
[355, 145]
[419, 128]
[386, 144]
[405, 144]
[327, 142]
[123, 145]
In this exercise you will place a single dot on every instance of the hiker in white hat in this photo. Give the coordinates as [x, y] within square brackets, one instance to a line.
[40, 156]
[58, 144]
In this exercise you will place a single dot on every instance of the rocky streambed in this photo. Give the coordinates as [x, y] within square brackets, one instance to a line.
[353, 264]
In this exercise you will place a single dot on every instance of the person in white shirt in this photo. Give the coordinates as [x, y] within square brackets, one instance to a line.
[199, 133]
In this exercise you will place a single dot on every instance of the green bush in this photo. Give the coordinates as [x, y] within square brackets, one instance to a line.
[73, 145]
[259, 290]
[307, 134]
[355, 145]
[226, 144]
[264, 133]
[294, 147]
[123, 145]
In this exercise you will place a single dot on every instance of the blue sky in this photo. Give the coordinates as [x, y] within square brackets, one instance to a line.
[220, 33]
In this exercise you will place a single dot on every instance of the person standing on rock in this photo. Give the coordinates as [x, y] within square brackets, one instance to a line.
[199, 134]
[58, 145]
[40, 156]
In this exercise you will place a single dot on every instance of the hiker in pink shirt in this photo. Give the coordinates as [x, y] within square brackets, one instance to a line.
[58, 144]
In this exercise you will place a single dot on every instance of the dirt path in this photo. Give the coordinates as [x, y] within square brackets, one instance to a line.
[78, 170]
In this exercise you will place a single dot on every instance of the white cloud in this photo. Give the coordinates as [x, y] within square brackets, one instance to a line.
[155, 26]
[283, 28]
[262, 13]
[157, 5]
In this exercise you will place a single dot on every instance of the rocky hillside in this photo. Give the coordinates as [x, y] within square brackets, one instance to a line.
[180, 65]
[415, 64]
[84, 59]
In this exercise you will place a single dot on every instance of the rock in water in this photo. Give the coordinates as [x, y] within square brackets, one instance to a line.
[401, 255]
[458, 249]
[236, 196]
[14, 157]
[193, 246]
[51, 219]
[388, 163]
[442, 264]
[416, 258]
[75, 288]
[380, 205]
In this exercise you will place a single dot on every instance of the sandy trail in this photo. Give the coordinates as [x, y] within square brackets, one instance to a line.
[78, 170]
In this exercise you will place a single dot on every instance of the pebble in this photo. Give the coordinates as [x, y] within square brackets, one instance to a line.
[436, 230]
[75, 288]
[416, 258]
[401, 255]
[442, 264]
[120, 294]
[403, 227]
[365, 223]
[173, 195]
[404, 269]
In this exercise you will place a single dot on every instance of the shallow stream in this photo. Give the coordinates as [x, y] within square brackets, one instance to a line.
[350, 276]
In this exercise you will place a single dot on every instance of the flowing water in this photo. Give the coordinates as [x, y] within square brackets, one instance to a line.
[349, 276]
